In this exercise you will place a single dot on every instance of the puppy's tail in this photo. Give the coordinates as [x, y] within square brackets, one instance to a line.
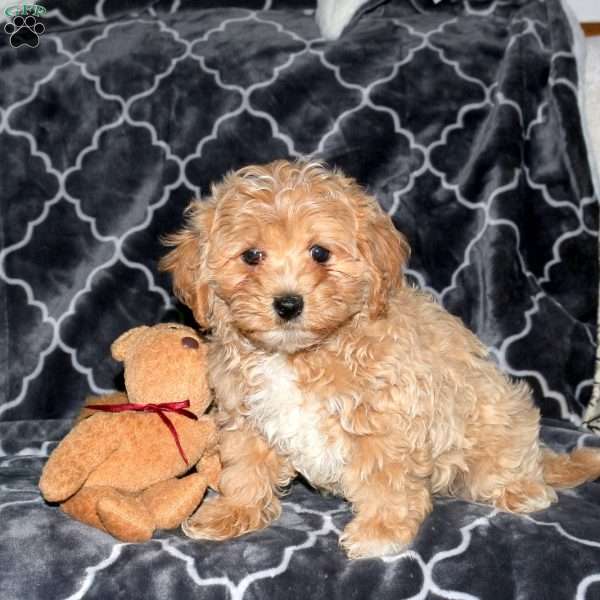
[571, 469]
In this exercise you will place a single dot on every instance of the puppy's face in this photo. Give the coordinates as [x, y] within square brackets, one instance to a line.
[285, 266]
[286, 254]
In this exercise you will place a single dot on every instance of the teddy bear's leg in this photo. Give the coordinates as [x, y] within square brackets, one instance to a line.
[126, 517]
[82, 505]
[171, 501]
[123, 516]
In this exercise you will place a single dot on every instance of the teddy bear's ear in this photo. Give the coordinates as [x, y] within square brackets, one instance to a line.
[125, 342]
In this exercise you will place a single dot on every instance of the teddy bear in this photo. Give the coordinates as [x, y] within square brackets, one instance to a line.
[122, 468]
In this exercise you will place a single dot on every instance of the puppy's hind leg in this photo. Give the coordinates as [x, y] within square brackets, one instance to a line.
[505, 466]
[520, 490]
[525, 496]
[529, 484]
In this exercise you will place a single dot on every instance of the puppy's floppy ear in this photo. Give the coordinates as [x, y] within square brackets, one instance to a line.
[386, 251]
[187, 262]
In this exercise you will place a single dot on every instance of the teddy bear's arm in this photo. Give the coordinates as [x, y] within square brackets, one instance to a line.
[210, 466]
[210, 462]
[86, 446]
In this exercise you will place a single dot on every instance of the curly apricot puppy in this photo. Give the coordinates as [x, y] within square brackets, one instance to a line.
[326, 363]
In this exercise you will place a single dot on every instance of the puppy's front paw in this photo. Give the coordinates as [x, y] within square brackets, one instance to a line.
[370, 538]
[221, 519]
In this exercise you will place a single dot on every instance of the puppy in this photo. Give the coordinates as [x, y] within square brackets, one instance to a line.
[326, 363]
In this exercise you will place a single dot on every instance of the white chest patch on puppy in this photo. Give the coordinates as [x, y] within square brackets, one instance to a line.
[294, 423]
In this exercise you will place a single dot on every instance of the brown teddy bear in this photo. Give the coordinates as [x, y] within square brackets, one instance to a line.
[118, 468]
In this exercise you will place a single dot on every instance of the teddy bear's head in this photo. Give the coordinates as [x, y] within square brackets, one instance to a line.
[164, 363]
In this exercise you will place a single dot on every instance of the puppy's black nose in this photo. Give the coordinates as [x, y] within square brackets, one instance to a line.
[288, 307]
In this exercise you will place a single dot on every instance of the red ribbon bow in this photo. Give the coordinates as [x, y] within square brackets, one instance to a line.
[159, 409]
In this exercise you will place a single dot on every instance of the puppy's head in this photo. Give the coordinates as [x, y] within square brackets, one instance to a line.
[286, 253]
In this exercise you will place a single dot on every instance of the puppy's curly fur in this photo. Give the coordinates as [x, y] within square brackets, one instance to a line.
[373, 391]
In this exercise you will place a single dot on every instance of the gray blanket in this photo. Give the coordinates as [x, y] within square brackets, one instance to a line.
[464, 551]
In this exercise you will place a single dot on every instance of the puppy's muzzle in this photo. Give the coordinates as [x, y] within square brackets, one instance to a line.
[288, 307]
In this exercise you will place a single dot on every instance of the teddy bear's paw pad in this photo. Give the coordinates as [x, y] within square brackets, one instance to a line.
[126, 518]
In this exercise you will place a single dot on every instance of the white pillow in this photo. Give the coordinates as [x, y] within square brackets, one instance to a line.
[332, 16]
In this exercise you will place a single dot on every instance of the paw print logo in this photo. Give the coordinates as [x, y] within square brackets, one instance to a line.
[24, 31]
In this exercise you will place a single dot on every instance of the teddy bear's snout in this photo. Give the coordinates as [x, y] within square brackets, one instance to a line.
[189, 342]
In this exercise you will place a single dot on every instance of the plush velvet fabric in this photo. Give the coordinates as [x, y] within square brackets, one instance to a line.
[463, 550]
[462, 118]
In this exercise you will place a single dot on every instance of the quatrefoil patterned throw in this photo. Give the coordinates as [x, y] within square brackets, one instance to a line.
[461, 117]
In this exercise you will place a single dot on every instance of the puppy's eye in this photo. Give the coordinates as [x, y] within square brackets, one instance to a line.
[252, 256]
[319, 254]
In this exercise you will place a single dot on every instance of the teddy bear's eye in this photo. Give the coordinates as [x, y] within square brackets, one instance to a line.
[189, 342]
[253, 256]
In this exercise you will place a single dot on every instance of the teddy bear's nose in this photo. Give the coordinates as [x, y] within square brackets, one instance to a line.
[189, 342]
